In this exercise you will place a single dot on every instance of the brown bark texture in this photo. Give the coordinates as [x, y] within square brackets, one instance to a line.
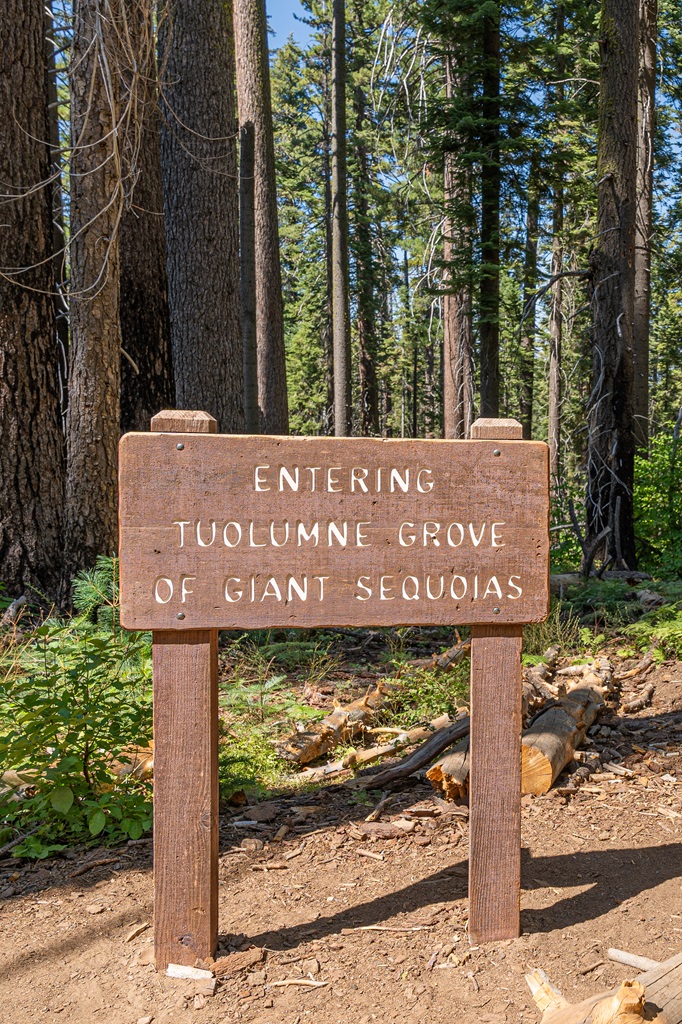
[646, 126]
[201, 206]
[556, 293]
[458, 369]
[530, 276]
[247, 277]
[255, 108]
[93, 418]
[31, 455]
[364, 274]
[340, 277]
[148, 385]
[489, 292]
[610, 408]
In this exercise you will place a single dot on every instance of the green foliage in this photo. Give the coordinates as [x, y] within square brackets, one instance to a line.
[658, 505]
[661, 627]
[602, 603]
[561, 628]
[73, 696]
[425, 694]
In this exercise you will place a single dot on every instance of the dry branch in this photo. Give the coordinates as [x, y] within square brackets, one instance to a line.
[419, 758]
[357, 758]
[342, 725]
[641, 700]
[662, 988]
[640, 667]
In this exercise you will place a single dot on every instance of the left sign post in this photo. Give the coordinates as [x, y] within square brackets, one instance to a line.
[185, 774]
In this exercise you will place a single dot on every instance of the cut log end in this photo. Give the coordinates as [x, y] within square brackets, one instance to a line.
[537, 773]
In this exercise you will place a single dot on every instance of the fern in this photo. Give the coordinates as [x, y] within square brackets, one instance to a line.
[661, 627]
[95, 593]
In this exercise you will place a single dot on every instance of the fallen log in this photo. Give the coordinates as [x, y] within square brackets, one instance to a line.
[661, 1000]
[357, 758]
[419, 758]
[547, 745]
[451, 774]
[551, 740]
[451, 657]
[640, 667]
[342, 725]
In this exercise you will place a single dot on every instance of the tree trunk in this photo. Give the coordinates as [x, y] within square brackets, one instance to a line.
[340, 298]
[610, 410]
[364, 276]
[648, 17]
[93, 419]
[247, 277]
[556, 268]
[147, 383]
[530, 277]
[328, 324]
[59, 242]
[555, 338]
[31, 455]
[489, 296]
[253, 95]
[201, 207]
[458, 375]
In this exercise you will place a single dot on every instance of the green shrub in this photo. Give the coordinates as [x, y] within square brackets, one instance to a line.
[73, 696]
[661, 627]
[658, 506]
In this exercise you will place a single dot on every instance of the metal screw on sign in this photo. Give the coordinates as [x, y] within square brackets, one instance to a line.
[181, 615]
[496, 452]
[180, 447]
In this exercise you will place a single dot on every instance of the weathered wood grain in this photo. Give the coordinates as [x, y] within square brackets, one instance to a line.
[496, 430]
[179, 420]
[185, 669]
[182, 494]
[495, 783]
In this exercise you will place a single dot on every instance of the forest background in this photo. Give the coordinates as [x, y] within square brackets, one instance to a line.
[402, 216]
[406, 215]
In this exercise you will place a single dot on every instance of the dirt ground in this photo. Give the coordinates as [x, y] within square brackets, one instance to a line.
[386, 933]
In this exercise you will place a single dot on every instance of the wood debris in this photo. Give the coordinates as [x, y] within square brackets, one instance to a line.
[136, 930]
[100, 862]
[183, 971]
[302, 982]
[641, 700]
[230, 965]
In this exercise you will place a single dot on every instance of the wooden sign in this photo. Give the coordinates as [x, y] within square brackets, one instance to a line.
[244, 532]
[252, 532]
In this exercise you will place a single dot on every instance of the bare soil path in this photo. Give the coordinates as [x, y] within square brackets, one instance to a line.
[386, 933]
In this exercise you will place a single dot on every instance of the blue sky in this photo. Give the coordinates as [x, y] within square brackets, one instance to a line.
[282, 21]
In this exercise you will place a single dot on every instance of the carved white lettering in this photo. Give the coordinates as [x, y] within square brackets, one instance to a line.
[272, 590]
[276, 543]
[304, 535]
[427, 486]
[237, 527]
[342, 538]
[232, 598]
[291, 480]
[431, 531]
[259, 480]
[182, 523]
[167, 584]
[252, 542]
[384, 589]
[205, 543]
[333, 483]
[453, 595]
[493, 588]
[301, 589]
[403, 482]
[495, 540]
[184, 589]
[434, 597]
[361, 537]
[451, 542]
[414, 596]
[472, 533]
[409, 541]
[514, 597]
[358, 475]
[363, 586]
[320, 580]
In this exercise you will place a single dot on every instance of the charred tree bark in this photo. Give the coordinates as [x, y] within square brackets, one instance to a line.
[340, 286]
[254, 102]
[610, 411]
[247, 278]
[458, 370]
[646, 124]
[31, 455]
[93, 419]
[201, 207]
[489, 294]
[364, 273]
[530, 278]
[147, 382]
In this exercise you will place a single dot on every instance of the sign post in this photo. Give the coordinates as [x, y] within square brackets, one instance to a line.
[245, 532]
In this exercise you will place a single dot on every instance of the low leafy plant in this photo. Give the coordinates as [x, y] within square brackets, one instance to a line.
[658, 505]
[662, 628]
[425, 694]
[74, 697]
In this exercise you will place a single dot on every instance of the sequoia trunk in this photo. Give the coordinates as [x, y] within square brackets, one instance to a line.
[147, 383]
[610, 411]
[93, 419]
[253, 97]
[31, 455]
[201, 207]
